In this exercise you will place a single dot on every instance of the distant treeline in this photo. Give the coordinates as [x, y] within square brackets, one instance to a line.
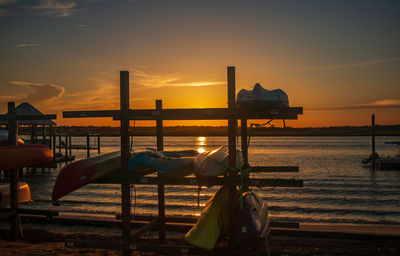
[380, 130]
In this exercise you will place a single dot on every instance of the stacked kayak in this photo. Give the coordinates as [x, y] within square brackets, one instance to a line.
[213, 221]
[24, 155]
[260, 97]
[24, 194]
[83, 172]
[214, 163]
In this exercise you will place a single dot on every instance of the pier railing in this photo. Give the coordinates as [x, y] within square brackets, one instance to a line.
[125, 178]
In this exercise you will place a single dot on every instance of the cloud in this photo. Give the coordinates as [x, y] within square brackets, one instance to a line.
[80, 25]
[381, 104]
[41, 92]
[355, 64]
[54, 8]
[28, 45]
[142, 79]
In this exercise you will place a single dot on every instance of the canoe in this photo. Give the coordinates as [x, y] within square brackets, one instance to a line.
[213, 221]
[158, 162]
[214, 163]
[252, 222]
[25, 155]
[24, 194]
[82, 172]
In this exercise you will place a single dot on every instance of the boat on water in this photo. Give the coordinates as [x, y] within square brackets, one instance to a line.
[24, 194]
[384, 163]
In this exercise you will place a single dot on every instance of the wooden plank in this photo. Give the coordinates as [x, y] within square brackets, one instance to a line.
[27, 117]
[92, 113]
[145, 228]
[210, 114]
[161, 189]
[125, 155]
[130, 179]
[274, 169]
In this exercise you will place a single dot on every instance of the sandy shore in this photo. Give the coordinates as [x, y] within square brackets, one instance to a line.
[49, 239]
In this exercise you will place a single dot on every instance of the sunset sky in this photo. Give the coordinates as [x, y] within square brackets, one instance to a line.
[340, 60]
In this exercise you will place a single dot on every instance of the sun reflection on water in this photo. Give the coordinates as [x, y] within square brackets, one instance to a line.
[201, 143]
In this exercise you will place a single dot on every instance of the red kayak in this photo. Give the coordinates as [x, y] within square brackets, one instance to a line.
[80, 173]
[24, 155]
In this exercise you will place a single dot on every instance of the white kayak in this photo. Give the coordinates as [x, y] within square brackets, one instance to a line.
[214, 163]
[260, 96]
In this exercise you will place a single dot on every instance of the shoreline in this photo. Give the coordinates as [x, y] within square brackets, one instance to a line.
[327, 239]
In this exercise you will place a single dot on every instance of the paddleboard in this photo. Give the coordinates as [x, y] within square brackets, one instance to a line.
[25, 155]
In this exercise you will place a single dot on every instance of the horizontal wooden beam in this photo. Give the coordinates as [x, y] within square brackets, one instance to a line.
[274, 169]
[27, 117]
[129, 179]
[93, 113]
[170, 249]
[145, 228]
[191, 114]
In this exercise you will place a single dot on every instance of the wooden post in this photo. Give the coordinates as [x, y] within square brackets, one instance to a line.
[243, 134]
[51, 136]
[98, 144]
[44, 139]
[125, 188]
[70, 140]
[232, 127]
[12, 137]
[66, 147]
[87, 144]
[59, 140]
[373, 142]
[161, 189]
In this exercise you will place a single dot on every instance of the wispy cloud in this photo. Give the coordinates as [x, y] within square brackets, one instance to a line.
[28, 45]
[80, 25]
[381, 104]
[143, 79]
[40, 92]
[55, 8]
[354, 64]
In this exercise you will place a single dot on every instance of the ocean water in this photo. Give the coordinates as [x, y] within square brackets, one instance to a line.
[337, 189]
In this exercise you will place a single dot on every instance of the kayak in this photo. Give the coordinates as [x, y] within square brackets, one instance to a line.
[24, 194]
[158, 162]
[252, 222]
[24, 155]
[260, 97]
[213, 221]
[82, 172]
[214, 163]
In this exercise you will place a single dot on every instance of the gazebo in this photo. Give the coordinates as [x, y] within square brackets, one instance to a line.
[26, 109]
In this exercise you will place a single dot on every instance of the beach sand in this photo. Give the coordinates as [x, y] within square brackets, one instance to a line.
[49, 239]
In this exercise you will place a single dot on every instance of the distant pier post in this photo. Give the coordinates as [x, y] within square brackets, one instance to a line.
[125, 155]
[98, 144]
[161, 189]
[70, 140]
[87, 144]
[373, 142]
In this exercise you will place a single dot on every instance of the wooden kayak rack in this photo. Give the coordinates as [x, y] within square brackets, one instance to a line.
[232, 113]
[13, 212]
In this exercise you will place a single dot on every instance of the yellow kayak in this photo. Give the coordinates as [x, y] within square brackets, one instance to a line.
[213, 221]
[24, 194]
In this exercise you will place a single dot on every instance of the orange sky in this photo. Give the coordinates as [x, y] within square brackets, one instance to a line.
[338, 60]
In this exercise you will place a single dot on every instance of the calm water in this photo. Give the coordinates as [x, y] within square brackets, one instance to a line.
[336, 187]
